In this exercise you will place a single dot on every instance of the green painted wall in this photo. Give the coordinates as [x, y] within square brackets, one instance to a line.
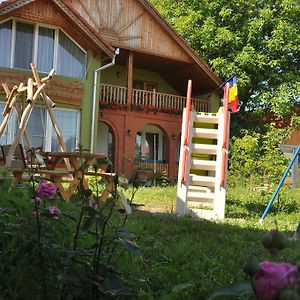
[117, 75]
[87, 102]
[214, 100]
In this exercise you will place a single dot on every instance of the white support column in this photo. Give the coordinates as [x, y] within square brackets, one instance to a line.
[181, 187]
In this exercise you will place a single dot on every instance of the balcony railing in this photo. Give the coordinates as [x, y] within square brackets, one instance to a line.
[159, 167]
[116, 96]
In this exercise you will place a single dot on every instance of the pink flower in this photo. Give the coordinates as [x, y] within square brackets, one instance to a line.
[54, 211]
[34, 214]
[46, 189]
[272, 278]
[38, 200]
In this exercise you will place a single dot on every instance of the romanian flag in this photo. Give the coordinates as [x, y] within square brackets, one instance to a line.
[233, 100]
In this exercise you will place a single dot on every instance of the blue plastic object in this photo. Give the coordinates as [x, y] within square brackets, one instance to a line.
[280, 184]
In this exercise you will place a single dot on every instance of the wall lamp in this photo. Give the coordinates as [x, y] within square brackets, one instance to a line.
[129, 132]
[174, 136]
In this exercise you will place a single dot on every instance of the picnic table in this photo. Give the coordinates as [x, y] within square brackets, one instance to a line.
[63, 167]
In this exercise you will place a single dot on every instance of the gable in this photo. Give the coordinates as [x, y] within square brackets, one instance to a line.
[129, 25]
[56, 13]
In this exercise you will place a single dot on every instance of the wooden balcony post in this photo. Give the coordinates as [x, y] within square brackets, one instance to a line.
[129, 77]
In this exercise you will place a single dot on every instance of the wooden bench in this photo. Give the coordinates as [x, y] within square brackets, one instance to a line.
[21, 166]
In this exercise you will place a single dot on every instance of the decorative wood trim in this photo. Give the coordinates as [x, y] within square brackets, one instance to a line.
[59, 90]
[129, 23]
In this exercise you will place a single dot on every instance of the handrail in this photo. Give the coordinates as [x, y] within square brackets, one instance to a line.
[225, 135]
[185, 137]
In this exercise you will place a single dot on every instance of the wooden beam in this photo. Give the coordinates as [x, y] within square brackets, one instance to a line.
[129, 77]
[49, 105]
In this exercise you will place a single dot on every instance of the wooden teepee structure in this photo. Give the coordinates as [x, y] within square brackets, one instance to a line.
[34, 90]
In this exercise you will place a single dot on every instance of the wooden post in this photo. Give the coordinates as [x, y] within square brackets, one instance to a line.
[29, 90]
[49, 105]
[22, 127]
[129, 77]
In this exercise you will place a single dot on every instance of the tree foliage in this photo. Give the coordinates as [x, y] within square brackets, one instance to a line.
[256, 39]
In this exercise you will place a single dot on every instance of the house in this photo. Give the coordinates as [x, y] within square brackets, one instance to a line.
[121, 77]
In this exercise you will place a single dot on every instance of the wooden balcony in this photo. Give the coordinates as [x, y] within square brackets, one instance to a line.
[116, 96]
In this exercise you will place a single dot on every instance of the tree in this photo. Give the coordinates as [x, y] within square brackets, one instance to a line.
[256, 39]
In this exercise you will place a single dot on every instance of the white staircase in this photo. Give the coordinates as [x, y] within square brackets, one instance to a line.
[202, 168]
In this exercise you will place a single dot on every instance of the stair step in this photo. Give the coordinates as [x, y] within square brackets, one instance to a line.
[197, 188]
[209, 165]
[202, 213]
[207, 118]
[202, 180]
[204, 148]
[200, 197]
[207, 133]
[200, 205]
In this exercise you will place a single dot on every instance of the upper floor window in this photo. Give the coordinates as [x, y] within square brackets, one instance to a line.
[22, 43]
[145, 85]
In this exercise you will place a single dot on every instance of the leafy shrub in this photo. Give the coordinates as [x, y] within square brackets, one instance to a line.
[55, 250]
[257, 155]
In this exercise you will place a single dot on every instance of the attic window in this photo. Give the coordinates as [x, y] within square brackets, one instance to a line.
[22, 43]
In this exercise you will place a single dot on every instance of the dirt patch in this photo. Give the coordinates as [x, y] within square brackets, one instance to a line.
[153, 208]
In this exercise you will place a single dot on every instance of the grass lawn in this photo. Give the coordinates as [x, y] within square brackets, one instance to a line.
[183, 258]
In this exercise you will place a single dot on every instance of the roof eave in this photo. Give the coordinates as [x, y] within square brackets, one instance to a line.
[197, 59]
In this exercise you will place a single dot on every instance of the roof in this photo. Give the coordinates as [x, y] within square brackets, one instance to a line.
[152, 10]
[175, 72]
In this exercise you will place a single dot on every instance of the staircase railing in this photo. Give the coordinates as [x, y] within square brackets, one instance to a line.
[225, 136]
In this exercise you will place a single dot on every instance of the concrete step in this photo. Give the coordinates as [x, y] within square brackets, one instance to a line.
[202, 180]
[209, 165]
[202, 213]
[206, 133]
[200, 205]
[204, 149]
[207, 118]
[201, 189]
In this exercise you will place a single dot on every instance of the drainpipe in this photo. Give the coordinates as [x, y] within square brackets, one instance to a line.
[117, 51]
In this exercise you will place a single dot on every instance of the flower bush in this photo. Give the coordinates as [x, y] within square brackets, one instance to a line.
[272, 278]
[269, 280]
[50, 249]
[46, 189]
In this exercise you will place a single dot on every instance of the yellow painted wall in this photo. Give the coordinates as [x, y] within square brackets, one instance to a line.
[117, 75]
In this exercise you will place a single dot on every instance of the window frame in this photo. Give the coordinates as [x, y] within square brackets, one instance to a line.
[37, 25]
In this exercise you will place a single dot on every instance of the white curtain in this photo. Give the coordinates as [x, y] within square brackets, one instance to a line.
[71, 59]
[67, 123]
[24, 46]
[37, 127]
[45, 49]
[4, 137]
[5, 43]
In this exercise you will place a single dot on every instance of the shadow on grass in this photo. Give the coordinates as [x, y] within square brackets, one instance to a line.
[198, 255]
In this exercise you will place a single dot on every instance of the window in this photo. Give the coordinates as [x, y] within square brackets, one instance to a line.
[41, 131]
[45, 49]
[70, 58]
[4, 137]
[68, 124]
[22, 43]
[145, 85]
[150, 145]
[5, 45]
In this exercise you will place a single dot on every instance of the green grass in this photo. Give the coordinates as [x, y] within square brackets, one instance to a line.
[183, 258]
